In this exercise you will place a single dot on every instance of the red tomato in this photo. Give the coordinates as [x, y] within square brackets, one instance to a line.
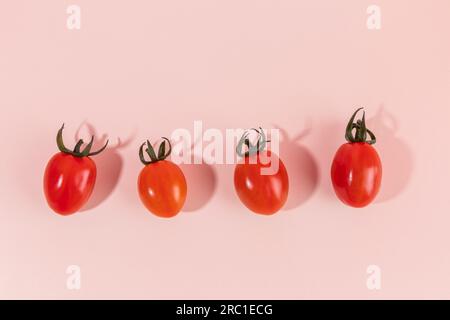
[69, 177]
[161, 184]
[356, 169]
[261, 193]
[68, 182]
[356, 174]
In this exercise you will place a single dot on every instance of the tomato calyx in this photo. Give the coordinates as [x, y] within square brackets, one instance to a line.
[77, 152]
[250, 148]
[361, 133]
[162, 153]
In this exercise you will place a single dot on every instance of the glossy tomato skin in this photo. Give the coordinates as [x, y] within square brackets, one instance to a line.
[68, 182]
[263, 194]
[356, 174]
[162, 188]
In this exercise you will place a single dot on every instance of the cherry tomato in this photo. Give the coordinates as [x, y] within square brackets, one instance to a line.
[356, 170]
[69, 177]
[261, 193]
[161, 184]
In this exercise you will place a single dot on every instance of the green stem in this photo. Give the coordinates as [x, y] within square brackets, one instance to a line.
[360, 128]
[77, 149]
[162, 153]
[251, 149]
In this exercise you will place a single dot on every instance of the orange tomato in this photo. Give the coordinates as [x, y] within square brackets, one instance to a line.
[161, 184]
[162, 188]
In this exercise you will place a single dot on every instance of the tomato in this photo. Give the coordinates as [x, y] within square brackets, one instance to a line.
[69, 177]
[161, 184]
[68, 182]
[356, 170]
[261, 193]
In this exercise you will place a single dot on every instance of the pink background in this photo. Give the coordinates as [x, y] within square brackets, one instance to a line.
[140, 69]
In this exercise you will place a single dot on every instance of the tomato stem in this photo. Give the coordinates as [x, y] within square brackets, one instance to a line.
[361, 132]
[251, 148]
[77, 149]
[162, 154]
